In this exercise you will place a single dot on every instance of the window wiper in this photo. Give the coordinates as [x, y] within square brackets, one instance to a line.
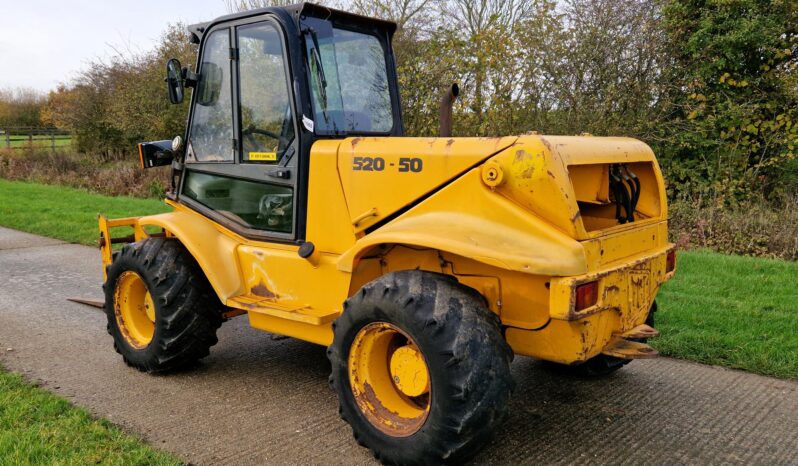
[321, 78]
[316, 56]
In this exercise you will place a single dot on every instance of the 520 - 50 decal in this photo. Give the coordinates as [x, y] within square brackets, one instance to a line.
[377, 164]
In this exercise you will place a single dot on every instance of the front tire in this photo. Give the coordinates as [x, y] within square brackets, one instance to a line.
[161, 310]
[421, 369]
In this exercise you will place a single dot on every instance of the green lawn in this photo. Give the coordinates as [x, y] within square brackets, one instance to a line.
[65, 213]
[732, 311]
[38, 428]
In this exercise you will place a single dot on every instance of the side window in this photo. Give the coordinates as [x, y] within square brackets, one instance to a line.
[348, 80]
[267, 126]
[251, 204]
[364, 81]
[211, 135]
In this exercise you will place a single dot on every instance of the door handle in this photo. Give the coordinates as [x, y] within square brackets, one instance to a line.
[282, 173]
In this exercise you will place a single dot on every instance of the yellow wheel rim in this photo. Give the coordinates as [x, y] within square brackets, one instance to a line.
[135, 310]
[389, 379]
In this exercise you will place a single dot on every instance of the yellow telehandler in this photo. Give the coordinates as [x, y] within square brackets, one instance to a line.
[422, 264]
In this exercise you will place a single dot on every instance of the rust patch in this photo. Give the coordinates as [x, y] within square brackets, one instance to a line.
[262, 291]
[229, 314]
[248, 305]
[548, 172]
[625, 349]
[610, 289]
[576, 216]
[546, 143]
[521, 154]
[449, 142]
[386, 420]
[355, 142]
[529, 172]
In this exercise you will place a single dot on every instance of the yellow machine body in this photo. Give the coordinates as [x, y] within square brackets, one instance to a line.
[522, 220]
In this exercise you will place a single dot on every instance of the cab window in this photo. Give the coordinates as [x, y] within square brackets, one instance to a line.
[267, 125]
[211, 133]
[251, 204]
[348, 80]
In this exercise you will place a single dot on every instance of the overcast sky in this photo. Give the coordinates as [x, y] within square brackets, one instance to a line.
[44, 42]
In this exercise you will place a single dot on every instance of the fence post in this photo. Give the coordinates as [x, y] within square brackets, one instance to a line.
[52, 139]
[8, 138]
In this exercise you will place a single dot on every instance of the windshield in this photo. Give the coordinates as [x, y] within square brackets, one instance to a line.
[348, 80]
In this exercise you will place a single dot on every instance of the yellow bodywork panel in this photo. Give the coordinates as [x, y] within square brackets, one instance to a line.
[329, 226]
[563, 341]
[536, 173]
[213, 246]
[381, 175]
[523, 221]
[626, 293]
[468, 219]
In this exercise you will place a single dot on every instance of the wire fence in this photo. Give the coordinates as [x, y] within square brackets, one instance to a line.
[20, 138]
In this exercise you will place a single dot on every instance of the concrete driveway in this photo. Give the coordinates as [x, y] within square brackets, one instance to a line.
[262, 400]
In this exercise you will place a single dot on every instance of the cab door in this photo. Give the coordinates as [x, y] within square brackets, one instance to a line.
[241, 168]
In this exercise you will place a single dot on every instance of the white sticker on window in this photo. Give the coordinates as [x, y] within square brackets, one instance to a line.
[308, 123]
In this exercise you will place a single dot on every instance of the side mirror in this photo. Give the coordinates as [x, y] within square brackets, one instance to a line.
[174, 81]
[156, 153]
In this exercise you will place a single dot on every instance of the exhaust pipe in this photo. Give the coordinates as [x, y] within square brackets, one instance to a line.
[447, 101]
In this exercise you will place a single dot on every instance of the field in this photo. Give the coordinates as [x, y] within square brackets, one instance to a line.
[21, 141]
[732, 311]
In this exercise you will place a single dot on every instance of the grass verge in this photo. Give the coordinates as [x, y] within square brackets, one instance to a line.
[65, 213]
[37, 428]
[732, 311]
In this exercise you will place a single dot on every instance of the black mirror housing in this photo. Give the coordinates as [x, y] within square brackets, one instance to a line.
[174, 81]
[155, 154]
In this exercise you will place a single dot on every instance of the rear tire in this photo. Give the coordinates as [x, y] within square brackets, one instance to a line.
[161, 310]
[602, 365]
[466, 359]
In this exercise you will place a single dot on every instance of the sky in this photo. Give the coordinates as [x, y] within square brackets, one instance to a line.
[45, 42]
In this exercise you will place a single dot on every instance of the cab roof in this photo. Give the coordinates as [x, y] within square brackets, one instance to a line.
[294, 12]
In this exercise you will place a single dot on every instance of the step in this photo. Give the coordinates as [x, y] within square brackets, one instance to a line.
[625, 349]
[641, 331]
[295, 312]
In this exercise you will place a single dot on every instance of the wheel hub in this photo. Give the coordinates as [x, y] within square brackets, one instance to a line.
[409, 372]
[389, 379]
[134, 309]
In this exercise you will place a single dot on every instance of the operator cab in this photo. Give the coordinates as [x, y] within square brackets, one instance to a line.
[269, 83]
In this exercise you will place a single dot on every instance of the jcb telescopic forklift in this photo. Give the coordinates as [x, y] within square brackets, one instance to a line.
[422, 264]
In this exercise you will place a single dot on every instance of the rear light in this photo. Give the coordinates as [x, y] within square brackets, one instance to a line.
[670, 261]
[586, 295]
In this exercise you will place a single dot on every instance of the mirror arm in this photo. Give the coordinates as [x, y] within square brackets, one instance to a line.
[190, 78]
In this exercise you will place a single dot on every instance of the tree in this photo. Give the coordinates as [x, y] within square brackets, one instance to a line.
[113, 105]
[735, 104]
[21, 107]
